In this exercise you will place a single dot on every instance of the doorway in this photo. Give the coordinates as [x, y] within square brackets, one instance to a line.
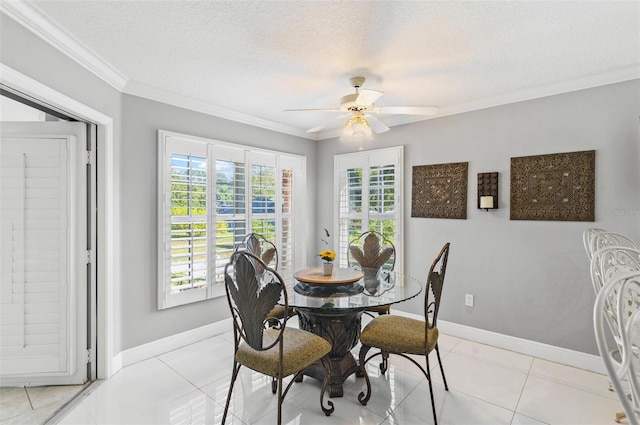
[48, 226]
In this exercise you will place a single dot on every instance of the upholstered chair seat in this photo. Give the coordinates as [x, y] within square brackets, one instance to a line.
[263, 342]
[301, 349]
[399, 334]
[403, 336]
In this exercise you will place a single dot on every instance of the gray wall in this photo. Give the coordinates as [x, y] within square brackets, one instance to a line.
[141, 120]
[136, 122]
[30, 55]
[530, 278]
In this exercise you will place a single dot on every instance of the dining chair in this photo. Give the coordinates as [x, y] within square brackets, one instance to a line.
[587, 240]
[277, 351]
[612, 260]
[617, 308]
[266, 250]
[595, 239]
[607, 264]
[371, 250]
[404, 336]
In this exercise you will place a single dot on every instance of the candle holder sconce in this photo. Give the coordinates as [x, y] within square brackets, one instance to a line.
[488, 191]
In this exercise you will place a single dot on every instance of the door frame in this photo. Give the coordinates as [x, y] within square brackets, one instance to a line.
[108, 362]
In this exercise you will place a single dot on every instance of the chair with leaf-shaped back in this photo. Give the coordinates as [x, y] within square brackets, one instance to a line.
[372, 251]
[274, 350]
[266, 250]
[407, 337]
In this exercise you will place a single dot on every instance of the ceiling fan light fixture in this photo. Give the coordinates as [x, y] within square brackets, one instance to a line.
[356, 129]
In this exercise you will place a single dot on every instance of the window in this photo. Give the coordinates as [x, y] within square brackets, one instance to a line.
[211, 195]
[369, 197]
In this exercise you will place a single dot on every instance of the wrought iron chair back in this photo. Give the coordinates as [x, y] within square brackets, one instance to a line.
[251, 299]
[262, 248]
[618, 304]
[371, 250]
[433, 291]
[404, 336]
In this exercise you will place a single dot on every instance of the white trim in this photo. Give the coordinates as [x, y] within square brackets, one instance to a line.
[164, 345]
[35, 21]
[578, 359]
[106, 215]
[32, 18]
[610, 77]
[159, 95]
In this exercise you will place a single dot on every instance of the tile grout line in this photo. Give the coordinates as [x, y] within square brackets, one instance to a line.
[524, 384]
[29, 398]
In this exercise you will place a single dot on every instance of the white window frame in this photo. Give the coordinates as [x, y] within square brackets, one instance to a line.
[212, 150]
[365, 160]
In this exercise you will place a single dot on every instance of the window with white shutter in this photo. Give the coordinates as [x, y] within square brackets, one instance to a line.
[369, 197]
[211, 195]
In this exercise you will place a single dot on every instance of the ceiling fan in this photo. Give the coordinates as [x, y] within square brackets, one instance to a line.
[359, 108]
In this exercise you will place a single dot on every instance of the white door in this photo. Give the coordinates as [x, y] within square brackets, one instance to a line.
[43, 234]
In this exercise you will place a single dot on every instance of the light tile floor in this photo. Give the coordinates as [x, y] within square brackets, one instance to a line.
[33, 406]
[487, 385]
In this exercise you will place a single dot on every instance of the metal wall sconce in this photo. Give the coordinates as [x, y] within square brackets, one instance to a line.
[488, 191]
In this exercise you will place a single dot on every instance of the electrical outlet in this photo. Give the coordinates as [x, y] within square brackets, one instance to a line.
[468, 300]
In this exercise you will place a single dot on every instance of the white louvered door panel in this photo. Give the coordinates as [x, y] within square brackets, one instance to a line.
[42, 268]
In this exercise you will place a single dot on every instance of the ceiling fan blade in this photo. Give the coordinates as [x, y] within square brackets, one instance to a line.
[376, 125]
[407, 110]
[326, 123]
[368, 97]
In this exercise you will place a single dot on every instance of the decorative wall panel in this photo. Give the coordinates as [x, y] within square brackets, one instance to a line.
[556, 187]
[440, 191]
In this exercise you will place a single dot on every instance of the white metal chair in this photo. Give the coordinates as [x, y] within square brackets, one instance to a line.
[607, 264]
[587, 240]
[618, 305]
[610, 261]
[595, 239]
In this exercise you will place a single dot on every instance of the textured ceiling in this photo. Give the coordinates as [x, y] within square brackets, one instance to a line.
[259, 58]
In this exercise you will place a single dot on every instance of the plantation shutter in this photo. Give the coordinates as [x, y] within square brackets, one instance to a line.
[212, 194]
[291, 214]
[183, 222]
[369, 197]
[39, 281]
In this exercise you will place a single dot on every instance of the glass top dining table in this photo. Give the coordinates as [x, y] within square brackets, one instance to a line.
[332, 307]
[375, 288]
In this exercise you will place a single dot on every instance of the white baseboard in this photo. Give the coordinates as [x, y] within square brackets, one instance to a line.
[552, 353]
[164, 345]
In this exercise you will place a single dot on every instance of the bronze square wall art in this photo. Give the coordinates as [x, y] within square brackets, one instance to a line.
[440, 190]
[555, 187]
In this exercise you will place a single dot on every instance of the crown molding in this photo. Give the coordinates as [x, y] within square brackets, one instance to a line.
[164, 96]
[35, 21]
[610, 77]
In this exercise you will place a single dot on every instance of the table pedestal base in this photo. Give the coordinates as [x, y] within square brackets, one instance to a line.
[342, 330]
